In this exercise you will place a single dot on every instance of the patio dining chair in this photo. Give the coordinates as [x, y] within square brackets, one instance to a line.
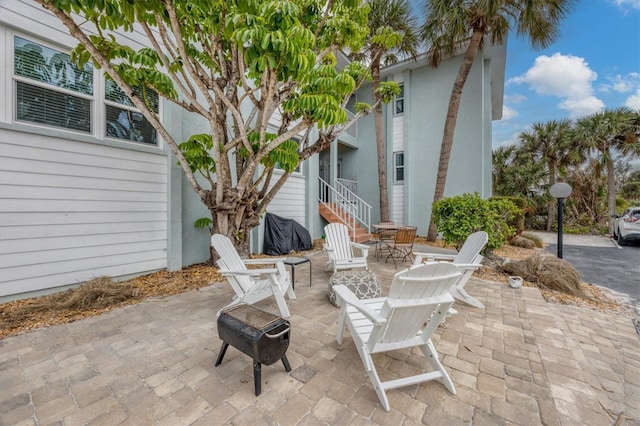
[383, 236]
[401, 247]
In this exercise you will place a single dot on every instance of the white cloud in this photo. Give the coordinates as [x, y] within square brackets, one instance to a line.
[622, 83]
[560, 75]
[564, 76]
[633, 101]
[624, 4]
[583, 106]
[514, 99]
[508, 113]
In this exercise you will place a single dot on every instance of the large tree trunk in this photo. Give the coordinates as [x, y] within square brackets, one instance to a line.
[379, 127]
[238, 230]
[450, 124]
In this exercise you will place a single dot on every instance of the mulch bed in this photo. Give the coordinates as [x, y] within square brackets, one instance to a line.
[103, 295]
[99, 296]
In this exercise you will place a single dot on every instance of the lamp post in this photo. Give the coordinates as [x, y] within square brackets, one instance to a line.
[560, 191]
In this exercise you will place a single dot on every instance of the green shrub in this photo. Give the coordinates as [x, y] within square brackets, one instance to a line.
[460, 216]
[523, 206]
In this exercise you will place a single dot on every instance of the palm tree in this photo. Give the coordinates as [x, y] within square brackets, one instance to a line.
[515, 175]
[393, 34]
[551, 144]
[502, 158]
[455, 25]
[607, 133]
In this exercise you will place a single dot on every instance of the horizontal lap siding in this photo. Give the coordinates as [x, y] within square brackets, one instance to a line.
[71, 211]
[290, 200]
[397, 190]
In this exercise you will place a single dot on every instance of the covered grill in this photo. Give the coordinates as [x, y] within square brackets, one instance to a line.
[259, 334]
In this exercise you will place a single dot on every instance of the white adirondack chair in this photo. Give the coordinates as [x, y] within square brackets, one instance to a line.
[252, 285]
[339, 248]
[417, 303]
[467, 259]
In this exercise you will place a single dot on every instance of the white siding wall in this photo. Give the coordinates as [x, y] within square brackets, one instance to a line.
[397, 189]
[71, 207]
[289, 203]
[72, 211]
[290, 200]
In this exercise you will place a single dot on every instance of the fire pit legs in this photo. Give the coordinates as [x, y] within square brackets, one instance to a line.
[257, 371]
[257, 368]
[223, 350]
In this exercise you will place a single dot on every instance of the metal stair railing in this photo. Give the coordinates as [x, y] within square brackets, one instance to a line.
[362, 210]
[350, 184]
[345, 204]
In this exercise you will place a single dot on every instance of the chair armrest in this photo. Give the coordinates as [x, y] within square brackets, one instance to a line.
[264, 260]
[468, 266]
[407, 303]
[432, 257]
[347, 297]
[250, 272]
[363, 247]
[358, 245]
[330, 251]
[277, 261]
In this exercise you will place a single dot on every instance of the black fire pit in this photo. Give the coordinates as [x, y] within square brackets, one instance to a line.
[259, 334]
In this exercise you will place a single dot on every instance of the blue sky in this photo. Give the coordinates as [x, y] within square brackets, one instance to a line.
[593, 65]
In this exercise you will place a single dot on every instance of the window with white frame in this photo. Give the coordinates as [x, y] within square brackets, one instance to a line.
[399, 104]
[123, 120]
[51, 90]
[398, 167]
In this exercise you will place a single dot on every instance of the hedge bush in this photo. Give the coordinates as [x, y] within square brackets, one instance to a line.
[460, 216]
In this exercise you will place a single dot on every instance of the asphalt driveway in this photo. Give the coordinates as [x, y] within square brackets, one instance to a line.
[600, 261]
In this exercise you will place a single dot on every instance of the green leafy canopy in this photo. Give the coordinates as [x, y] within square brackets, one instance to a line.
[258, 73]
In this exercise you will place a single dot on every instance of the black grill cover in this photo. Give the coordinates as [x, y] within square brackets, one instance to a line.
[281, 236]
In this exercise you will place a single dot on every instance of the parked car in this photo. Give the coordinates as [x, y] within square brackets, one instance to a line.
[627, 226]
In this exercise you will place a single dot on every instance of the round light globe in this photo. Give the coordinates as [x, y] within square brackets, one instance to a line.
[560, 190]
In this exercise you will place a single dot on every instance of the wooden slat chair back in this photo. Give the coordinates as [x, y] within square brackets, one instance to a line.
[468, 259]
[340, 249]
[417, 303]
[252, 285]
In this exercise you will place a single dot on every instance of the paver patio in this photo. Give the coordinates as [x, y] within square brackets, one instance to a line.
[518, 361]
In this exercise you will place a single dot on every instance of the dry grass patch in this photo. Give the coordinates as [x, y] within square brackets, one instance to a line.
[98, 296]
[102, 294]
[548, 272]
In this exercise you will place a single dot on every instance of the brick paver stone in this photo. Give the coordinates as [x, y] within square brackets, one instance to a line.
[520, 360]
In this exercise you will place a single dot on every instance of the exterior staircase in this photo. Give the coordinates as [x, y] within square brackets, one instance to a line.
[327, 212]
[342, 205]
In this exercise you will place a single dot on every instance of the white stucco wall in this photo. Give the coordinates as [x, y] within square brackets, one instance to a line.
[427, 92]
